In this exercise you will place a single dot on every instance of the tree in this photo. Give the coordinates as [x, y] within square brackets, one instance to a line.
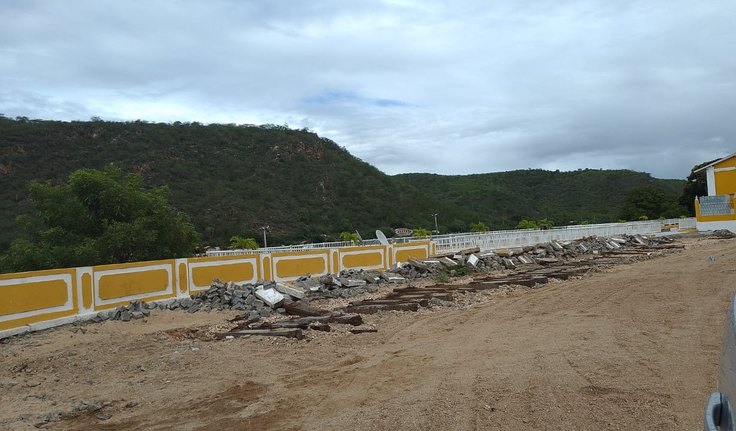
[99, 217]
[527, 224]
[420, 232]
[241, 243]
[545, 224]
[349, 237]
[695, 185]
[649, 202]
[478, 227]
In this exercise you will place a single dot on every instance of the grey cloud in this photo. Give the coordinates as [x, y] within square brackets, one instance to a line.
[445, 87]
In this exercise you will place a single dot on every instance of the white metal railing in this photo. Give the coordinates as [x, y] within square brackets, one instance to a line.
[497, 239]
[311, 246]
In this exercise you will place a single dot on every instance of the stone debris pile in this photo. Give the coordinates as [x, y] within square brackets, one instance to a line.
[266, 298]
[723, 234]
[473, 260]
[261, 299]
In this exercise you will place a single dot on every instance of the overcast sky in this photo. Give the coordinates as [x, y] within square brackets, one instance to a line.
[449, 87]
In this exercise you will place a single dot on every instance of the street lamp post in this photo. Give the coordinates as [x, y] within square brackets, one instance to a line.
[264, 228]
[436, 228]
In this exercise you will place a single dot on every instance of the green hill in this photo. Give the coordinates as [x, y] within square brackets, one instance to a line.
[504, 198]
[233, 179]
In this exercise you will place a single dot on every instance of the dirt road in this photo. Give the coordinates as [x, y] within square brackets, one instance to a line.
[632, 348]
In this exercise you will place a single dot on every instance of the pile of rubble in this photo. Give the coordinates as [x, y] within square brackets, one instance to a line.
[723, 234]
[543, 254]
[263, 299]
[266, 298]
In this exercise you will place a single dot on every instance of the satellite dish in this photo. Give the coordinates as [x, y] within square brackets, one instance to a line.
[381, 237]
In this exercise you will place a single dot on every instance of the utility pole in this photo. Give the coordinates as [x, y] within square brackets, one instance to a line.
[264, 228]
[436, 228]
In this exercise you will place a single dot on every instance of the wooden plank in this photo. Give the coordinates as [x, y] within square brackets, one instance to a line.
[290, 333]
[371, 309]
[301, 309]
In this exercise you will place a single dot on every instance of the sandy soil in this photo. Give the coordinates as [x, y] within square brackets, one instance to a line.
[632, 348]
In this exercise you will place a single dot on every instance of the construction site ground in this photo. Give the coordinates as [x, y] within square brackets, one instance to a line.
[634, 347]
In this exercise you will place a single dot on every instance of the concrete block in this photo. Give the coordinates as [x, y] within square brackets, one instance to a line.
[270, 296]
[293, 291]
[448, 262]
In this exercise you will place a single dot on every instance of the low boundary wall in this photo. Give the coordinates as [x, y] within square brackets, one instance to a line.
[42, 299]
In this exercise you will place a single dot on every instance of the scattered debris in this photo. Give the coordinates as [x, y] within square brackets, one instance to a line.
[530, 266]
[723, 234]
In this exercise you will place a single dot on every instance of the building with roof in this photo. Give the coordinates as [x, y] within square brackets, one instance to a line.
[716, 210]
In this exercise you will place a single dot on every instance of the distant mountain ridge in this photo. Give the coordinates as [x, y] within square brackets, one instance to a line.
[234, 179]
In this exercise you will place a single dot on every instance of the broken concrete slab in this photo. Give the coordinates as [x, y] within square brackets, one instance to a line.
[352, 282]
[392, 277]
[449, 263]
[308, 284]
[293, 291]
[473, 260]
[270, 296]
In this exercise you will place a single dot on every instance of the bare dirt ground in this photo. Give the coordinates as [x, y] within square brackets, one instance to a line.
[633, 348]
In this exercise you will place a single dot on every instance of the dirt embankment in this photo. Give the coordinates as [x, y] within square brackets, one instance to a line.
[632, 348]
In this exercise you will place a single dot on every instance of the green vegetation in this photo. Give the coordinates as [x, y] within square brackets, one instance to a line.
[478, 227]
[420, 232]
[349, 237]
[240, 243]
[649, 203]
[98, 217]
[695, 185]
[233, 179]
[506, 198]
[527, 224]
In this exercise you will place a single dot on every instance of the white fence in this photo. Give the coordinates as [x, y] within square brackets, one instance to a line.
[521, 238]
[500, 239]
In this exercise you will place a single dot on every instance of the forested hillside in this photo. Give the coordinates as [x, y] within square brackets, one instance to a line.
[503, 198]
[233, 179]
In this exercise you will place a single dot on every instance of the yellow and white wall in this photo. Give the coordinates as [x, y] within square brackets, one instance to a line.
[42, 299]
[721, 180]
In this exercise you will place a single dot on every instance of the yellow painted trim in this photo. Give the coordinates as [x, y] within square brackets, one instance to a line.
[183, 277]
[267, 270]
[222, 258]
[132, 265]
[87, 290]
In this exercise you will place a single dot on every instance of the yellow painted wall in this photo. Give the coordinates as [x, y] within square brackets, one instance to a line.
[720, 217]
[202, 276]
[295, 264]
[35, 294]
[728, 163]
[19, 298]
[133, 283]
[87, 290]
[404, 252]
[362, 257]
[107, 286]
[226, 268]
[725, 182]
[182, 277]
[120, 283]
